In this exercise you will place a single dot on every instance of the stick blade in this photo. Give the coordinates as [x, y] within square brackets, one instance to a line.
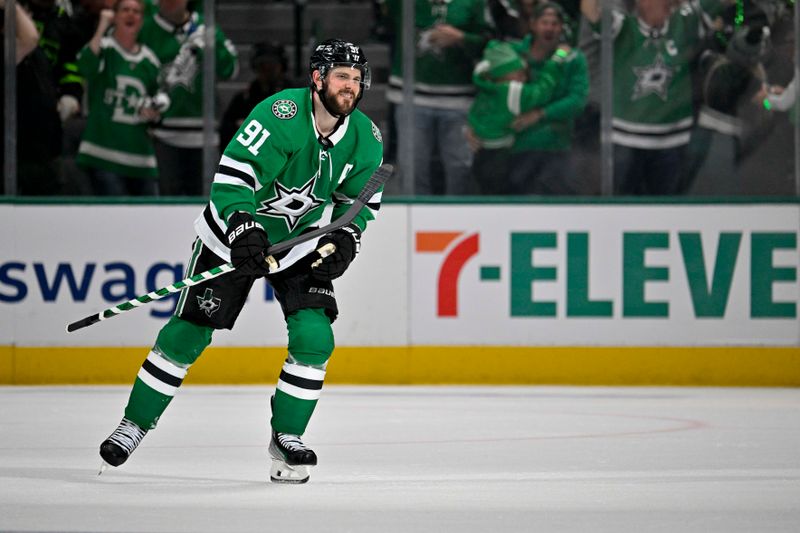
[82, 323]
[375, 182]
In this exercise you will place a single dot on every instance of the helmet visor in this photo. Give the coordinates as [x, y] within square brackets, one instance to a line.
[364, 72]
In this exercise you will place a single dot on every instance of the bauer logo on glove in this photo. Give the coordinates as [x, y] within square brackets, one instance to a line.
[241, 228]
[249, 244]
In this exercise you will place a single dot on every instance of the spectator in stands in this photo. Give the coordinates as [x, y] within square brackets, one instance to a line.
[60, 40]
[451, 37]
[85, 15]
[732, 122]
[504, 12]
[653, 109]
[27, 39]
[39, 131]
[541, 161]
[270, 66]
[122, 77]
[64, 31]
[732, 119]
[503, 94]
[770, 161]
[176, 34]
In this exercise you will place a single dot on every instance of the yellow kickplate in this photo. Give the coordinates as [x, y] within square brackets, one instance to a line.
[424, 365]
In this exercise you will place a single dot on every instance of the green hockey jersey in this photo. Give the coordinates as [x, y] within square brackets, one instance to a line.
[180, 50]
[275, 169]
[116, 139]
[652, 78]
[554, 132]
[443, 76]
[498, 103]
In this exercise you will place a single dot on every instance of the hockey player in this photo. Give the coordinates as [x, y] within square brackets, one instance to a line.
[299, 159]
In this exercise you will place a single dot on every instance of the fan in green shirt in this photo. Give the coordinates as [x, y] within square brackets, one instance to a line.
[504, 93]
[122, 76]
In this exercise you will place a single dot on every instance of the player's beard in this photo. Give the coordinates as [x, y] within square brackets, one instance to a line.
[339, 105]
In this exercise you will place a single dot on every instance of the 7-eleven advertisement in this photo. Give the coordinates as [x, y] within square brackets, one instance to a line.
[604, 275]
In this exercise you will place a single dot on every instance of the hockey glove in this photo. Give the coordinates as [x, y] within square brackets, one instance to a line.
[248, 243]
[348, 242]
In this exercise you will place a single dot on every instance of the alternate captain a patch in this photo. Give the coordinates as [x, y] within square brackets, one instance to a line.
[284, 109]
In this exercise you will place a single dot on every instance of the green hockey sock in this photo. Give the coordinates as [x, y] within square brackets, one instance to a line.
[156, 384]
[291, 414]
[178, 345]
[300, 383]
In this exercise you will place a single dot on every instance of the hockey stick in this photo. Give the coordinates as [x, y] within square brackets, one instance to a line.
[374, 183]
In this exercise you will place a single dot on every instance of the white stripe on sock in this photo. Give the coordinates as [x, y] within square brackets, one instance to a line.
[297, 392]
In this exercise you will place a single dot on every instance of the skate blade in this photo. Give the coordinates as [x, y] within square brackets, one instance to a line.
[283, 473]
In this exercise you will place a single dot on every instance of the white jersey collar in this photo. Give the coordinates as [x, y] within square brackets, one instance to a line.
[651, 31]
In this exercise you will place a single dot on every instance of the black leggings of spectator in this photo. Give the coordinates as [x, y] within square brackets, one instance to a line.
[647, 172]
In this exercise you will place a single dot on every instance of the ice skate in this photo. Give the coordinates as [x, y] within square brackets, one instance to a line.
[291, 459]
[116, 449]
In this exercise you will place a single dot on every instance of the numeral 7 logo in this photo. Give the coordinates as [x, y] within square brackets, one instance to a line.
[457, 256]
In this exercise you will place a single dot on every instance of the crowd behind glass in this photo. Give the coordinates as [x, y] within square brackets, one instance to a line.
[510, 97]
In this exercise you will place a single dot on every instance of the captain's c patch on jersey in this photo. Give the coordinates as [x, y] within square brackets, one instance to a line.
[284, 109]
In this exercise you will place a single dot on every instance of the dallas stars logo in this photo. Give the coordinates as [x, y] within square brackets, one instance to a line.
[291, 204]
[208, 303]
[183, 69]
[284, 109]
[653, 79]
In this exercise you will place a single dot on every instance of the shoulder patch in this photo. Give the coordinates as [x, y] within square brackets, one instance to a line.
[284, 109]
[377, 133]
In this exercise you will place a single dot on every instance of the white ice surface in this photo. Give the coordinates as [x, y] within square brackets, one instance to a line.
[411, 459]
